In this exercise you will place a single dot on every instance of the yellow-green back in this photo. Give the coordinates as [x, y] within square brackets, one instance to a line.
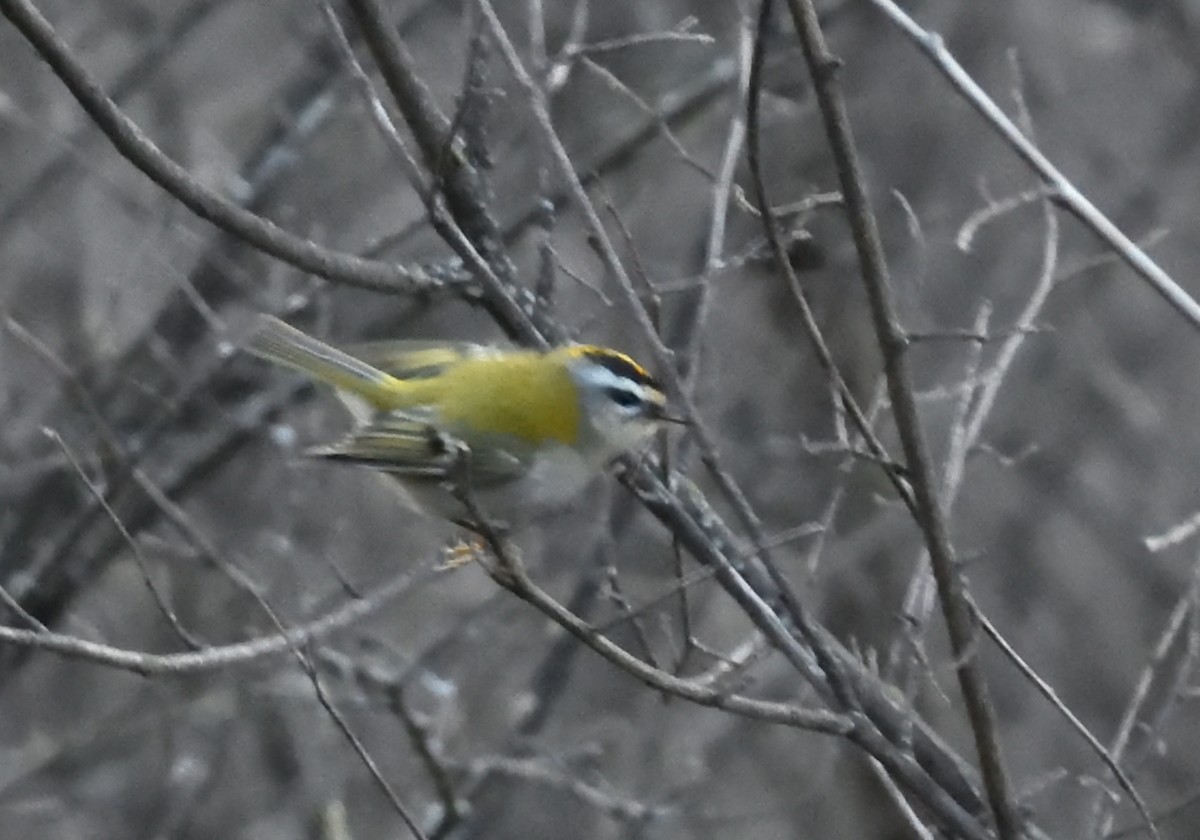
[519, 393]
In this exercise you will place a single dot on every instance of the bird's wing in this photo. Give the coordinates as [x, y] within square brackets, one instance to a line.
[406, 445]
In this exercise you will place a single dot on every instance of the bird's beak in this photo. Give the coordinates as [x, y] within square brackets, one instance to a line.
[662, 415]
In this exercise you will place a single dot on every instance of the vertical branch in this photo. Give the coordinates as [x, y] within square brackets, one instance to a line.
[714, 247]
[960, 623]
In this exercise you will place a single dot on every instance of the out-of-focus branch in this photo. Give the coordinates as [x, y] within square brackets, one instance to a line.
[1046, 690]
[1171, 664]
[131, 79]
[256, 231]
[623, 808]
[960, 623]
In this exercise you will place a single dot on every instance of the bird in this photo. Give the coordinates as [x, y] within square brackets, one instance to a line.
[517, 432]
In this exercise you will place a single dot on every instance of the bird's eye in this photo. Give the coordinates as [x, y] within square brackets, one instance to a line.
[624, 397]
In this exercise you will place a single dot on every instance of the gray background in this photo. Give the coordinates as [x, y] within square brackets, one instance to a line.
[1088, 451]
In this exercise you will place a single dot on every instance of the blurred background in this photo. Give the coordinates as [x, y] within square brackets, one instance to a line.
[123, 314]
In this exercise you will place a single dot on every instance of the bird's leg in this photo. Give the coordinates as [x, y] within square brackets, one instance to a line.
[487, 534]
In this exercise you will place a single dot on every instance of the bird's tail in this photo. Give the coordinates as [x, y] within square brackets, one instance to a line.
[285, 345]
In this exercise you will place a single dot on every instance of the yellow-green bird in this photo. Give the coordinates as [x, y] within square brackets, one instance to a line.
[538, 426]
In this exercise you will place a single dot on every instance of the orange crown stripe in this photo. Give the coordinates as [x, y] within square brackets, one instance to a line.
[600, 353]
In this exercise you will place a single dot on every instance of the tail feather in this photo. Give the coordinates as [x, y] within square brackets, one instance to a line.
[285, 345]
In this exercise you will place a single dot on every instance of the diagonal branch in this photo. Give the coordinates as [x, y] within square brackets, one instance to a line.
[1063, 191]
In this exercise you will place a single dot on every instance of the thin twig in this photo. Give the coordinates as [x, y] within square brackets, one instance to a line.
[466, 222]
[722, 191]
[731, 671]
[838, 492]
[994, 210]
[1110, 759]
[911, 818]
[417, 729]
[808, 320]
[357, 745]
[216, 657]
[614, 82]
[13, 604]
[643, 38]
[620, 807]
[1147, 706]
[1161, 815]
[375, 107]
[704, 573]
[1174, 535]
[97, 492]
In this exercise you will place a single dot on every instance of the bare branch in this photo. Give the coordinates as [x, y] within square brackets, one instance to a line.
[1064, 192]
[960, 623]
[224, 656]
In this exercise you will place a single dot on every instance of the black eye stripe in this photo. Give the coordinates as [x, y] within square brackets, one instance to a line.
[623, 396]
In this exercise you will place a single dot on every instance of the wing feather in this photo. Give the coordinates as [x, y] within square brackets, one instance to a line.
[409, 446]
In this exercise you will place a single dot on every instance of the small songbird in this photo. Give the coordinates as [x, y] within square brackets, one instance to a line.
[536, 426]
